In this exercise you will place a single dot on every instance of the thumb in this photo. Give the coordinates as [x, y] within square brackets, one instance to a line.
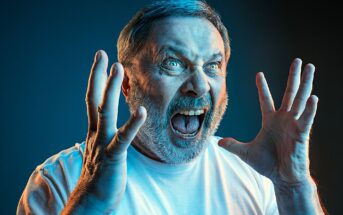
[127, 133]
[234, 146]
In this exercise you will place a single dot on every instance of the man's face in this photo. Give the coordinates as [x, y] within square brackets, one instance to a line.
[179, 77]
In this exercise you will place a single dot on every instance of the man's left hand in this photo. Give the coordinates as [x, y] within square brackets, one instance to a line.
[280, 150]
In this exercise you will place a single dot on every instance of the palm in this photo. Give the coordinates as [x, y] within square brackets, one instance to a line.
[280, 149]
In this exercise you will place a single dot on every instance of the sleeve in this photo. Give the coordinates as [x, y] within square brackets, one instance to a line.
[270, 199]
[40, 195]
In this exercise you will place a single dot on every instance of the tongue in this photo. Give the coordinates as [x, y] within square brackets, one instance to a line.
[185, 124]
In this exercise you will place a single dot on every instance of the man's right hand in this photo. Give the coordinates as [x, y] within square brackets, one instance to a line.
[103, 177]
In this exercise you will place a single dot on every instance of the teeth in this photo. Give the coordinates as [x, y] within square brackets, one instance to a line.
[192, 112]
[186, 135]
[198, 112]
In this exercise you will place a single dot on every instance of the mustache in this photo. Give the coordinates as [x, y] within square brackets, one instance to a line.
[186, 102]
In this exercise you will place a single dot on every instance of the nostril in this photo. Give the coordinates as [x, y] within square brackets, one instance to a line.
[188, 90]
[192, 93]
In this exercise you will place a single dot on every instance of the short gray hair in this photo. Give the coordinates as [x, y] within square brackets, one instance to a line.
[134, 35]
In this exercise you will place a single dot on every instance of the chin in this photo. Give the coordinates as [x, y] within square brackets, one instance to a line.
[177, 155]
[174, 149]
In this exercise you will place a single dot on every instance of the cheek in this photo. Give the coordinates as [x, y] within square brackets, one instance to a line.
[219, 93]
[161, 89]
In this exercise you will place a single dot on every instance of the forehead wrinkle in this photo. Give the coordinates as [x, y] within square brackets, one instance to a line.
[178, 50]
[189, 54]
[193, 38]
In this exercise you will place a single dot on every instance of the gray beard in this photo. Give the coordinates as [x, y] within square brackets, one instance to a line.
[153, 136]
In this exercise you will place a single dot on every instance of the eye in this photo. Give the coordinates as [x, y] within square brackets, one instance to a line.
[172, 64]
[213, 67]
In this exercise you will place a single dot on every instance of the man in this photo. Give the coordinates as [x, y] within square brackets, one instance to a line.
[165, 159]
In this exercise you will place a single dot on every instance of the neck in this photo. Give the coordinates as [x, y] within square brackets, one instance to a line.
[141, 147]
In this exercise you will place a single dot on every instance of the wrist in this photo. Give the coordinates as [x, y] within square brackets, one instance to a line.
[306, 186]
[83, 201]
[297, 198]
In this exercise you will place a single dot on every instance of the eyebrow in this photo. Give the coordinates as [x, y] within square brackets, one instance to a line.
[184, 53]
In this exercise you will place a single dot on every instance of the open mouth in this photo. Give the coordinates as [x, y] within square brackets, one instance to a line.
[187, 123]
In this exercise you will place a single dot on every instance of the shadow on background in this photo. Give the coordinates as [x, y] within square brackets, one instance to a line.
[47, 48]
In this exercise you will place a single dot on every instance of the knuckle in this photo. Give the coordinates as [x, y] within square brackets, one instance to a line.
[284, 107]
[115, 155]
[102, 113]
[295, 111]
[300, 98]
[89, 99]
[121, 137]
[100, 139]
[291, 91]
[293, 74]
[100, 110]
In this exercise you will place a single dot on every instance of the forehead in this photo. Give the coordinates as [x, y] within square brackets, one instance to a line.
[195, 37]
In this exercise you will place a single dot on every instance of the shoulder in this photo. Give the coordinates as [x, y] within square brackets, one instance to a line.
[65, 165]
[69, 155]
[52, 182]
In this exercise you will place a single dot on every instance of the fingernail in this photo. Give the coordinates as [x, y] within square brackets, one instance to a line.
[312, 66]
[98, 56]
[316, 99]
[114, 69]
[298, 59]
[140, 111]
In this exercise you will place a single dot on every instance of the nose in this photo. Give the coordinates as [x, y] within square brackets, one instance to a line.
[196, 85]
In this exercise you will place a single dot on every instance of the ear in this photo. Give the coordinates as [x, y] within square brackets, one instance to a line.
[125, 87]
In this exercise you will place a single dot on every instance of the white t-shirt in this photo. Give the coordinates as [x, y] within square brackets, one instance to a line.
[216, 182]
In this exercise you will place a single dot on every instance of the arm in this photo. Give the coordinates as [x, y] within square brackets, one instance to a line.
[280, 150]
[299, 198]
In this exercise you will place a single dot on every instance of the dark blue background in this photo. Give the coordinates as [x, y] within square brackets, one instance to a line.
[47, 49]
